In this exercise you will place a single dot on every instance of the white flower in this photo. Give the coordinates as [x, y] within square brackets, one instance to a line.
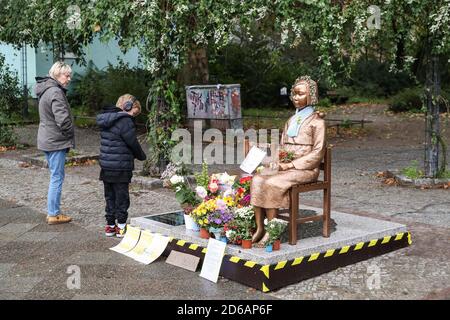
[229, 233]
[228, 193]
[177, 188]
[176, 179]
[201, 192]
[266, 221]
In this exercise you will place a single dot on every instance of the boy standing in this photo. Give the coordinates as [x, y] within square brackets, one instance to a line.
[118, 149]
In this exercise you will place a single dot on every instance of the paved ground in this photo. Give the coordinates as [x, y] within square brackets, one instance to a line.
[34, 257]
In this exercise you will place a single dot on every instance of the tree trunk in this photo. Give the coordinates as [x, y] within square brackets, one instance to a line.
[432, 130]
[196, 70]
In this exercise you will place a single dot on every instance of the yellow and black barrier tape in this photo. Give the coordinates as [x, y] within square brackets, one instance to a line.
[279, 266]
[343, 250]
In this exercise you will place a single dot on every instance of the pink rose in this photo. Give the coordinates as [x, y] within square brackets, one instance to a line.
[213, 187]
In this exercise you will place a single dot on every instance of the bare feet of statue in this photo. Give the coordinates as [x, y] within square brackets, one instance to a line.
[257, 235]
[262, 243]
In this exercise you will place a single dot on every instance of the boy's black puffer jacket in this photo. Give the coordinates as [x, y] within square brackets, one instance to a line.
[119, 145]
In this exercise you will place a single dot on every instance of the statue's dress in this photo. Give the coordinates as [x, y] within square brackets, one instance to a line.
[271, 191]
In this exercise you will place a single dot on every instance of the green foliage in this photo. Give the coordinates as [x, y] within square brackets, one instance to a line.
[164, 118]
[72, 153]
[409, 99]
[324, 103]
[185, 195]
[9, 103]
[346, 123]
[444, 175]
[412, 171]
[370, 78]
[95, 88]
[202, 178]
[258, 68]
[275, 228]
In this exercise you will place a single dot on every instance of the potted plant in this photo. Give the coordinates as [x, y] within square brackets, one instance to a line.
[275, 228]
[186, 197]
[217, 219]
[245, 234]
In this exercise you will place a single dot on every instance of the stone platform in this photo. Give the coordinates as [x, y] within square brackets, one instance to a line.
[353, 238]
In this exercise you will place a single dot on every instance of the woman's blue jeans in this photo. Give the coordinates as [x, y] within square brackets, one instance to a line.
[56, 161]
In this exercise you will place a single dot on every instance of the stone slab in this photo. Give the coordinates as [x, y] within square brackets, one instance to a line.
[349, 230]
[39, 159]
[17, 228]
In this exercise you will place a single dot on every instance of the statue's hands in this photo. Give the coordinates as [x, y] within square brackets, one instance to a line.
[285, 166]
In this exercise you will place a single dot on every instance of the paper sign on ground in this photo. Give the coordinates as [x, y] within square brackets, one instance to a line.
[129, 241]
[252, 160]
[149, 247]
[213, 260]
[183, 260]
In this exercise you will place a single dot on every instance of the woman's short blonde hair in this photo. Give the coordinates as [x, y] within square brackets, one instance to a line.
[128, 97]
[59, 68]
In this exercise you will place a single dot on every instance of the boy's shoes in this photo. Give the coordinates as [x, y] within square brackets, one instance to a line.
[120, 233]
[110, 231]
[60, 218]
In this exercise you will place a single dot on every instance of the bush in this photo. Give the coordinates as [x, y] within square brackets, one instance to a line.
[407, 100]
[95, 88]
[370, 78]
[10, 97]
[259, 69]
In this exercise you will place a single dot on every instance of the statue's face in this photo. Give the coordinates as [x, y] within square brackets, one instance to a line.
[300, 95]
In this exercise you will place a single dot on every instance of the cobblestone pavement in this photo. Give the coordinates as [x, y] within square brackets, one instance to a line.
[421, 271]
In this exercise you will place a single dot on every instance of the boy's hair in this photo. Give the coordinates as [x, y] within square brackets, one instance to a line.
[123, 99]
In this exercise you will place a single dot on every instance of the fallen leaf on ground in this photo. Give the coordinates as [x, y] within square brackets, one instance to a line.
[24, 165]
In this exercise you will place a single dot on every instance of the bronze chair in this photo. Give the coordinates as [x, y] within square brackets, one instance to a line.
[325, 185]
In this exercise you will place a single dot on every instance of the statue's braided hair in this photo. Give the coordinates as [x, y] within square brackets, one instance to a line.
[312, 87]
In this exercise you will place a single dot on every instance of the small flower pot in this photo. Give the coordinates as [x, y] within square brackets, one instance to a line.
[224, 239]
[276, 245]
[190, 223]
[204, 233]
[246, 244]
[269, 248]
[216, 231]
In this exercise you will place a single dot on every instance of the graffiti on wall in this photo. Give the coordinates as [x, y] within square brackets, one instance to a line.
[213, 103]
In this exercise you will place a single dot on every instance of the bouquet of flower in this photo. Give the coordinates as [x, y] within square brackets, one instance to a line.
[224, 181]
[242, 191]
[286, 156]
[209, 208]
[275, 228]
[218, 218]
[184, 193]
[240, 228]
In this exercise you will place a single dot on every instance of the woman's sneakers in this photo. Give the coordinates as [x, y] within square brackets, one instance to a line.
[117, 231]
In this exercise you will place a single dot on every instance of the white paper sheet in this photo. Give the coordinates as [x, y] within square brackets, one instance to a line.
[149, 247]
[252, 160]
[129, 241]
[213, 260]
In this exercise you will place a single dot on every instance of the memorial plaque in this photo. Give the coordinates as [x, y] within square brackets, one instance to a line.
[183, 260]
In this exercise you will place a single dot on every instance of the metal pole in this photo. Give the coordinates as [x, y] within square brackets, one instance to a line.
[24, 81]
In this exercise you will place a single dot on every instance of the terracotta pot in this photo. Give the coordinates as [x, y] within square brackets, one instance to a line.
[204, 233]
[246, 244]
[276, 244]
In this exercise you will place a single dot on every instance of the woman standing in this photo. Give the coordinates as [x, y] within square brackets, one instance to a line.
[56, 133]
